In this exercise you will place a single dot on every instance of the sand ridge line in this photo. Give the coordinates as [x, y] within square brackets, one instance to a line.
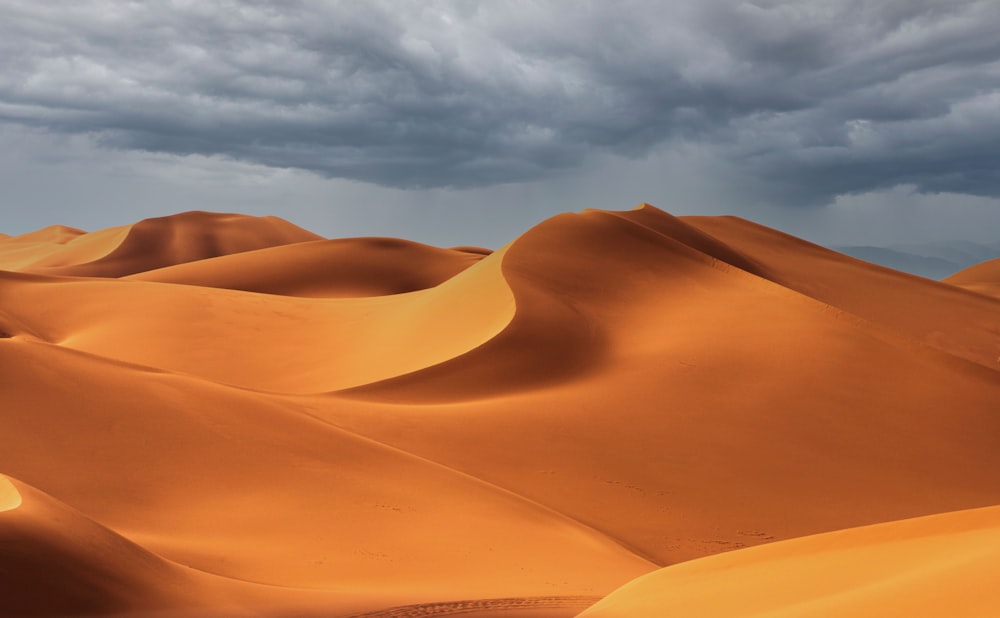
[631, 549]
[452, 608]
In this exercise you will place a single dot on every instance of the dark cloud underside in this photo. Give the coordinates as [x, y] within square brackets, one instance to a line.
[808, 100]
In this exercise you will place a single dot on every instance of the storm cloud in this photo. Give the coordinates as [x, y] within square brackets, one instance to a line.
[800, 102]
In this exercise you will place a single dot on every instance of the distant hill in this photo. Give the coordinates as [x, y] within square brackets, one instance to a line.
[932, 260]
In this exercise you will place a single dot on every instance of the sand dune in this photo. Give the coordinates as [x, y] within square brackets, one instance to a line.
[982, 278]
[18, 252]
[148, 244]
[56, 561]
[941, 565]
[934, 314]
[284, 425]
[256, 489]
[268, 342]
[325, 268]
[646, 388]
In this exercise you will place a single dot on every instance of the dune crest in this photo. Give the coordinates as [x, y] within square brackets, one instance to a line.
[332, 343]
[148, 244]
[56, 561]
[342, 268]
[55, 234]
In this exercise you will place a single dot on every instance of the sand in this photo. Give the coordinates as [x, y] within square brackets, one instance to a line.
[982, 278]
[209, 414]
[940, 565]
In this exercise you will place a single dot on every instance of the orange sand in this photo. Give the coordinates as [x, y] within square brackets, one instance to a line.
[225, 415]
[940, 565]
[982, 278]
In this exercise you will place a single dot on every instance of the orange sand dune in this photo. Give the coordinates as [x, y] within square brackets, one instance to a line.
[940, 565]
[398, 430]
[325, 268]
[932, 313]
[55, 561]
[255, 489]
[982, 278]
[647, 388]
[17, 252]
[266, 342]
[54, 234]
[148, 244]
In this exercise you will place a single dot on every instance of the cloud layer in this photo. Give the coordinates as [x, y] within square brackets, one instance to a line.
[796, 102]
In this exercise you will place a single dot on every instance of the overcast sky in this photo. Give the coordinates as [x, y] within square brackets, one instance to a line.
[843, 121]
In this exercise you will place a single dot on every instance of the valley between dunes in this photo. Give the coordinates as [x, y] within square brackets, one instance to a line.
[617, 414]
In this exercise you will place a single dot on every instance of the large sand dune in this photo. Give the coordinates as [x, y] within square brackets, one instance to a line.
[148, 244]
[215, 414]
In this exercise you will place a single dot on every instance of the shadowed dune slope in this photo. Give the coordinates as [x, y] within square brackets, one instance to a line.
[933, 313]
[941, 565]
[55, 561]
[148, 244]
[982, 278]
[348, 267]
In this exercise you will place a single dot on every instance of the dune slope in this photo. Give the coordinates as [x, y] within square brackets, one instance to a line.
[55, 561]
[348, 267]
[148, 244]
[647, 387]
[940, 565]
[982, 278]
[934, 314]
[265, 342]
[254, 489]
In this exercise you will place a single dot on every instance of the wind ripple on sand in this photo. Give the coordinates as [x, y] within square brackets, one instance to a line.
[483, 607]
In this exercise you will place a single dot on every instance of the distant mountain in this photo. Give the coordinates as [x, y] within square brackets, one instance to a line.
[932, 260]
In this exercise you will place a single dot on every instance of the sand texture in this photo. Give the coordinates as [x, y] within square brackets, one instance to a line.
[215, 414]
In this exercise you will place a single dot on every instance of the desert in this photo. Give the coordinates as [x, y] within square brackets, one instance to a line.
[619, 413]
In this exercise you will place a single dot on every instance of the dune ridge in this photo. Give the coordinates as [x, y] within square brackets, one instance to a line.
[339, 342]
[934, 313]
[148, 244]
[341, 268]
[256, 421]
[55, 561]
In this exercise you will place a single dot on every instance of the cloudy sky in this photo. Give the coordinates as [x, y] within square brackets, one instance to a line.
[463, 122]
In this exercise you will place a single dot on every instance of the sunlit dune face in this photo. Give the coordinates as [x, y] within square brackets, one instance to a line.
[939, 565]
[10, 498]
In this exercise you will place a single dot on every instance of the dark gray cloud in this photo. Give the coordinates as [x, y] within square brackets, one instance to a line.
[801, 101]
